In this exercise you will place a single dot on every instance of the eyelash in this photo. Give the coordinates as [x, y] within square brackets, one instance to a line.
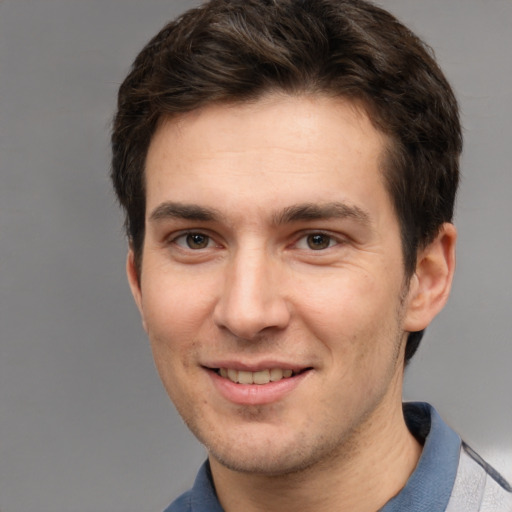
[331, 240]
[186, 236]
[304, 238]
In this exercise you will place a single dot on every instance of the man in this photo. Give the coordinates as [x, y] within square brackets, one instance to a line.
[288, 171]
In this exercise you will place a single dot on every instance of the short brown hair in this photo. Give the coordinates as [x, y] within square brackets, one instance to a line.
[239, 50]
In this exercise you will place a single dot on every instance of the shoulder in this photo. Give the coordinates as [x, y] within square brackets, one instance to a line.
[202, 496]
[478, 486]
[181, 504]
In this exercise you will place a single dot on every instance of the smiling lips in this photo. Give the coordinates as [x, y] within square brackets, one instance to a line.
[263, 386]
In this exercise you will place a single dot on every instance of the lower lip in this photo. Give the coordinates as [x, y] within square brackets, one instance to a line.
[256, 394]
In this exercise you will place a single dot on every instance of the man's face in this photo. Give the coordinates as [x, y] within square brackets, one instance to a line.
[271, 249]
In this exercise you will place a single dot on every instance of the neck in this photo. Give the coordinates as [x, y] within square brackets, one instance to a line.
[374, 466]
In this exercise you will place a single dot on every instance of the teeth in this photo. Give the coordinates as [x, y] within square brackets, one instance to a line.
[260, 377]
[276, 374]
[245, 377]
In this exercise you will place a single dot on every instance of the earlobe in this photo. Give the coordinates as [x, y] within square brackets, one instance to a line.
[431, 284]
[134, 282]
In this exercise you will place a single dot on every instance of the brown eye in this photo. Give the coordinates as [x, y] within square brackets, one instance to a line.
[197, 241]
[318, 241]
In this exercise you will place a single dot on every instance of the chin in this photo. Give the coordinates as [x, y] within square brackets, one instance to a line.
[262, 463]
[272, 455]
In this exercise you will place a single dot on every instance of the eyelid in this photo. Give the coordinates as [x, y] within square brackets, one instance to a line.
[337, 239]
[174, 237]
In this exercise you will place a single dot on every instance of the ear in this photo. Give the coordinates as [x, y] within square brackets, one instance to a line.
[134, 282]
[432, 281]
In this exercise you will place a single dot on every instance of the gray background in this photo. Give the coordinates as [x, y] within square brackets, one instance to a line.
[84, 422]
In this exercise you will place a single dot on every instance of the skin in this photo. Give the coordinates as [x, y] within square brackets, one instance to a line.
[271, 241]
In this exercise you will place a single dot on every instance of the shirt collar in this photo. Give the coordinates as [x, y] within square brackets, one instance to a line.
[430, 486]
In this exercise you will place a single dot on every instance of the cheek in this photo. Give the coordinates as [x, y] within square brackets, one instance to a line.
[343, 299]
[354, 314]
[174, 300]
[173, 321]
[175, 313]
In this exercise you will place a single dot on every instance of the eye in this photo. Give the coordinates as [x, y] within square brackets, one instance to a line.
[193, 241]
[316, 242]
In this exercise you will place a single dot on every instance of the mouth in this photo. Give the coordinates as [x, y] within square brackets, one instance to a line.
[260, 377]
[257, 384]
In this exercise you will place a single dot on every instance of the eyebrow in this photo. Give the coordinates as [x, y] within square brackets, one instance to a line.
[171, 210]
[312, 211]
[290, 214]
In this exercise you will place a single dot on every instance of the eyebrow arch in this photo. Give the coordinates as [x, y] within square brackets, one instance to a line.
[312, 211]
[171, 210]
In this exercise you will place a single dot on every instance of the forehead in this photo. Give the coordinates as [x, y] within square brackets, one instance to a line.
[297, 148]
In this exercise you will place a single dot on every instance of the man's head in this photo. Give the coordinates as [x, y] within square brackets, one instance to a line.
[288, 171]
[238, 51]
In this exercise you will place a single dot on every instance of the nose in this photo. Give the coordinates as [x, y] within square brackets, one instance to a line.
[252, 299]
